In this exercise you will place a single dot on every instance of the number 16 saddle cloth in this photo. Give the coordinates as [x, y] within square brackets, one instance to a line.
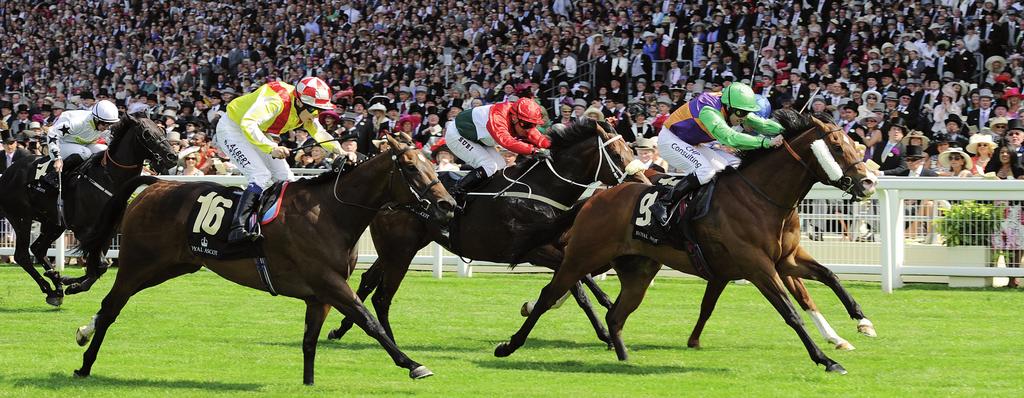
[210, 221]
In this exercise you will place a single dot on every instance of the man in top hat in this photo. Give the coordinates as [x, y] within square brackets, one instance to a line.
[350, 143]
[979, 117]
[889, 154]
[956, 130]
[1014, 137]
[11, 151]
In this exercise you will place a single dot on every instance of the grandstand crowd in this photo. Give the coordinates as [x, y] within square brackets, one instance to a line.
[924, 85]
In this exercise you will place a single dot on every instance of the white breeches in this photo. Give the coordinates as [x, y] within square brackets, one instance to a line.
[473, 153]
[258, 167]
[70, 148]
[701, 159]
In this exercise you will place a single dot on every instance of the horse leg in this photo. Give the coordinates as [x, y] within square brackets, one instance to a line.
[707, 305]
[367, 283]
[385, 293]
[550, 257]
[599, 294]
[635, 275]
[810, 268]
[316, 313]
[564, 279]
[22, 233]
[803, 298]
[771, 287]
[85, 282]
[47, 235]
[130, 280]
[340, 296]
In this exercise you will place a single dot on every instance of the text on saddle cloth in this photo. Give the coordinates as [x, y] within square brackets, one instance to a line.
[210, 221]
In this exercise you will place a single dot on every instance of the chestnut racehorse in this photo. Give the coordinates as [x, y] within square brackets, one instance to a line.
[308, 246]
[741, 235]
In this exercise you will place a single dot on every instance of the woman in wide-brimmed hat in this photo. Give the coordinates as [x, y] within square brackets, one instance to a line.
[995, 65]
[1013, 97]
[983, 147]
[957, 161]
[871, 101]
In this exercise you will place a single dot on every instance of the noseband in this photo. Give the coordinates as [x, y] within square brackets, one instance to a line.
[845, 183]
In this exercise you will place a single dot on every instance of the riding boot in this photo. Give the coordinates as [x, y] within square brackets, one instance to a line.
[470, 181]
[661, 211]
[240, 226]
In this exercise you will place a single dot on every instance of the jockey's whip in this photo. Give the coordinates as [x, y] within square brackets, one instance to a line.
[60, 197]
[314, 143]
[809, 100]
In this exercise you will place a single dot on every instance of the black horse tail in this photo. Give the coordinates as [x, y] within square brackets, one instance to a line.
[94, 245]
[546, 231]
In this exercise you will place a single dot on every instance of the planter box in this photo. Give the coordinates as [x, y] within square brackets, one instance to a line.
[962, 256]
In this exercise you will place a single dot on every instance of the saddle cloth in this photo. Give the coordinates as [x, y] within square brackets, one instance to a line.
[210, 219]
[689, 208]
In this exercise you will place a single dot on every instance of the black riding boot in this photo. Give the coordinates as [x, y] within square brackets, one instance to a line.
[70, 168]
[661, 211]
[240, 226]
[470, 181]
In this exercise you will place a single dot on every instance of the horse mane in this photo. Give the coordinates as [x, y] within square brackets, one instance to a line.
[793, 124]
[585, 128]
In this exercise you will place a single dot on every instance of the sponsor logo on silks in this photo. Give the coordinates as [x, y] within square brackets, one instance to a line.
[690, 154]
[238, 156]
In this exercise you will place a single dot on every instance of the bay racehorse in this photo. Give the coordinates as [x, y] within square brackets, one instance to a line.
[584, 153]
[795, 265]
[741, 235]
[134, 140]
[307, 247]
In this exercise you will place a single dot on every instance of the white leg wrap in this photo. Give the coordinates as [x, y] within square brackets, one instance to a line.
[826, 330]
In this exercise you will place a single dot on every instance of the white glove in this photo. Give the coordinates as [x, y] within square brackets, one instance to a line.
[280, 152]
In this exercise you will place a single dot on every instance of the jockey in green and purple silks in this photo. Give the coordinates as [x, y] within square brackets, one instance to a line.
[688, 137]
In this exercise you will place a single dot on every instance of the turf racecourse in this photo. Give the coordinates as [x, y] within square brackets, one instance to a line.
[200, 335]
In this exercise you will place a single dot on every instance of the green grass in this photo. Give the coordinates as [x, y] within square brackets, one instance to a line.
[200, 335]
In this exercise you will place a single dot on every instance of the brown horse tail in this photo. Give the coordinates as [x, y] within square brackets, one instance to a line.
[546, 231]
[94, 245]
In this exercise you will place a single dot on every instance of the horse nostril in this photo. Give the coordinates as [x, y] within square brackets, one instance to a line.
[868, 183]
[446, 205]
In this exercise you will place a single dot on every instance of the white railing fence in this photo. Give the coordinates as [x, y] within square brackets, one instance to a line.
[901, 232]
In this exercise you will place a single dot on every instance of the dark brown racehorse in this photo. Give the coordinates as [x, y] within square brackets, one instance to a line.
[741, 235]
[134, 140]
[308, 247]
[487, 230]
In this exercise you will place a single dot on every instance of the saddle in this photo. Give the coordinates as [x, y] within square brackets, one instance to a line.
[210, 219]
[678, 232]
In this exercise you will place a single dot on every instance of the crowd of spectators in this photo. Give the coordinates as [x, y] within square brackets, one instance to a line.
[946, 71]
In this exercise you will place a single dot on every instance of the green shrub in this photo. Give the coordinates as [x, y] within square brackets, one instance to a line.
[969, 223]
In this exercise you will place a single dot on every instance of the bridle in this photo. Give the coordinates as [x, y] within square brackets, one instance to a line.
[145, 141]
[602, 147]
[844, 182]
[420, 195]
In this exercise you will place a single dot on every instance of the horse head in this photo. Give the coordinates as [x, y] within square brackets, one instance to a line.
[591, 150]
[419, 183]
[837, 161]
[136, 139]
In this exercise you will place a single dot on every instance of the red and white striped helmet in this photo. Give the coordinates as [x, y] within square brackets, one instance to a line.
[314, 92]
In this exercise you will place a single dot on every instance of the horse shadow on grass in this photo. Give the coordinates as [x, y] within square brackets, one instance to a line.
[348, 345]
[570, 344]
[572, 366]
[58, 381]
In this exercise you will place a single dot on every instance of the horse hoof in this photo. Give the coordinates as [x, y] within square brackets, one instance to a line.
[695, 344]
[81, 338]
[421, 372]
[525, 309]
[53, 274]
[55, 299]
[334, 335]
[504, 350]
[867, 330]
[835, 367]
[73, 288]
[845, 346]
[79, 373]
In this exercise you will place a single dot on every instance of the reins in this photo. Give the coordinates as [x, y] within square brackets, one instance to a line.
[418, 195]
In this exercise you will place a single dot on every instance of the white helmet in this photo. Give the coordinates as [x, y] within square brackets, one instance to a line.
[105, 112]
[314, 92]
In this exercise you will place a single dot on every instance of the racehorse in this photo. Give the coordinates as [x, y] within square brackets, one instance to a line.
[307, 247]
[741, 234]
[584, 153]
[796, 263]
[134, 140]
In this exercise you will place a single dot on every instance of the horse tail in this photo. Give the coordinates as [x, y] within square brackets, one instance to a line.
[547, 231]
[95, 244]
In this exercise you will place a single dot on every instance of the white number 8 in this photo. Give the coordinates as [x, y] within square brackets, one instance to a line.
[211, 214]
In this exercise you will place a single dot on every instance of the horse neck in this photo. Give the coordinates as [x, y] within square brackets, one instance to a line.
[122, 153]
[781, 177]
[369, 185]
[576, 164]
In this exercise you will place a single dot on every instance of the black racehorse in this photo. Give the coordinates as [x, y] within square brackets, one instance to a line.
[486, 230]
[134, 140]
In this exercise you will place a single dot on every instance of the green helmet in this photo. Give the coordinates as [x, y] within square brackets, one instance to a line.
[740, 96]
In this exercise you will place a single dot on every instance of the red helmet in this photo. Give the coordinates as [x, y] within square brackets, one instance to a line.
[527, 110]
[314, 92]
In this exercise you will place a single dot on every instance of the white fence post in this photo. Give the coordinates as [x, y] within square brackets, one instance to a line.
[438, 260]
[889, 212]
[464, 269]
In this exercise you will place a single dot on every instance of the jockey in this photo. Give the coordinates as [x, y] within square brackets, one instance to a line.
[74, 134]
[690, 138]
[244, 133]
[474, 133]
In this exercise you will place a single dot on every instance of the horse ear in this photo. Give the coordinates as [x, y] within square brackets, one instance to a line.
[392, 141]
[600, 129]
[405, 137]
[820, 123]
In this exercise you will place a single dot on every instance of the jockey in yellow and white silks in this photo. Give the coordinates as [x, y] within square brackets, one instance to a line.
[244, 133]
